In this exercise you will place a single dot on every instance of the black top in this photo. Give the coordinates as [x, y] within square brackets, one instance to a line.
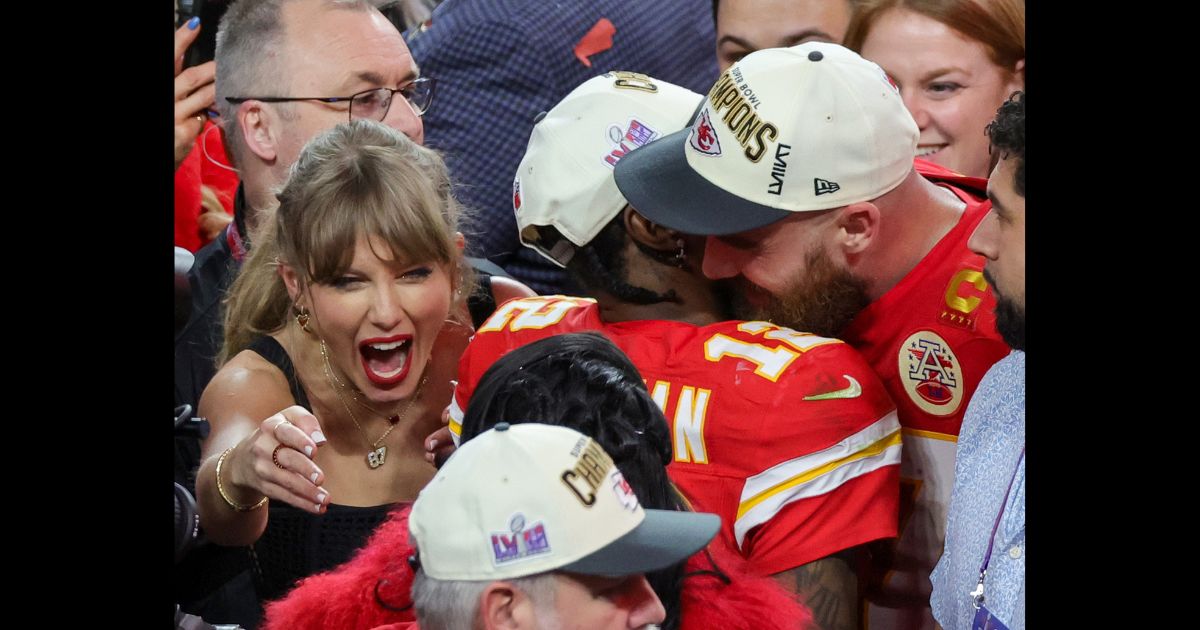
[296, 543]
[269, 349]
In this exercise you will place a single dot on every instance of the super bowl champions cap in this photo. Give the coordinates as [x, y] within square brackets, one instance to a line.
[529, 498]
[783, 130]
[565, 180]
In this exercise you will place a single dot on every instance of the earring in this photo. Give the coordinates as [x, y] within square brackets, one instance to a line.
[302, 319]
[681, 255]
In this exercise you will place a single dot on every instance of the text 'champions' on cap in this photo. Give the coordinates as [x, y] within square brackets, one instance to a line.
[783, 130]
[531, 498]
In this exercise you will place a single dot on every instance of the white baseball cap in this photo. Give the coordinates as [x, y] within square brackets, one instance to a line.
[783, 130]
[565, 181]
[530, 498]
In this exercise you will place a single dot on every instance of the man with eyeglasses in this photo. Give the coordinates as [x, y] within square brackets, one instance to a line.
[286, 71]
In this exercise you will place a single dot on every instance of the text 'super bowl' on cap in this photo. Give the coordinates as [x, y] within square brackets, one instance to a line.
[564, 193]
[784, 130]
[530, 498]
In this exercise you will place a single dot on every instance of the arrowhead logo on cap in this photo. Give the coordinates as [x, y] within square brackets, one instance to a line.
[704, 137]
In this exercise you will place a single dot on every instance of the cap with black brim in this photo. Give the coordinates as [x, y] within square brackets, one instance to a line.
[663, 538]
[658, 182]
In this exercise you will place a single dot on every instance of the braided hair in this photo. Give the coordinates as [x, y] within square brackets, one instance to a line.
[601, 265]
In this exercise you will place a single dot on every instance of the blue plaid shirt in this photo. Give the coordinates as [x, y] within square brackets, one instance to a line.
[499, 63]
[989, 447]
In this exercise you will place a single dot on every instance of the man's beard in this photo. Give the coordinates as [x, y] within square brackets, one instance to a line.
[822, 300]
[1010, 318]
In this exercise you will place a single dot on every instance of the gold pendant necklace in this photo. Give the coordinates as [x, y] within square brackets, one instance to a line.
[378, 454]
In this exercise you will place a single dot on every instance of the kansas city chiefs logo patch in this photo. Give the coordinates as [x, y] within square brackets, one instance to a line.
[517, 194]
[703, 137]
[623, 490]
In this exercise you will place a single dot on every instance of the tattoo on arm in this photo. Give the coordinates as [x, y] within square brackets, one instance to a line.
[829, 587]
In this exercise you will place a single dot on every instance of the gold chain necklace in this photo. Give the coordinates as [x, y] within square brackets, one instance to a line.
[378, 454]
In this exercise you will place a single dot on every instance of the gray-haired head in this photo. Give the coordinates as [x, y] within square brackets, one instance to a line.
[250, 59]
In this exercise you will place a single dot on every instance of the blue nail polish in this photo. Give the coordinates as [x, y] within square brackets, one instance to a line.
[193, 23]
[212, 114]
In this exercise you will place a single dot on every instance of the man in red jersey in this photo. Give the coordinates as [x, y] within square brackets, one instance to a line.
[788, 436]
[800, 169]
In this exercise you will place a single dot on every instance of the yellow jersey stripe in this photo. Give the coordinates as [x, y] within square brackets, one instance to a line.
[890, 440]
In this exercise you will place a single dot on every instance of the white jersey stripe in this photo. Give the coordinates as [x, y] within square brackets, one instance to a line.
[766, 493]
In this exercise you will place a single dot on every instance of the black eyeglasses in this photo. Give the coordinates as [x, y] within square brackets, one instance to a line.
[369, 104]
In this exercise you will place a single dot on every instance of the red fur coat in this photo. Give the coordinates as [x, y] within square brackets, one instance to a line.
[353, 596]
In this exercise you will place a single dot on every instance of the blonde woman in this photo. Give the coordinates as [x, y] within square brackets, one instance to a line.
[341, 337]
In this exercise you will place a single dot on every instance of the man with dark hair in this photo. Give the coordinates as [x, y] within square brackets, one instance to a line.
[980, 579]
[787, 435]
[744, 26]
[1001, 236]
[800, 169]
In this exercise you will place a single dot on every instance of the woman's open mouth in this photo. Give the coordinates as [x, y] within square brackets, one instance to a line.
[386, 359]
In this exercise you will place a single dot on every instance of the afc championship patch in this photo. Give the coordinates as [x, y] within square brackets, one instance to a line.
[634, 135]
[516, 194]
[520, 541]
[930, 374]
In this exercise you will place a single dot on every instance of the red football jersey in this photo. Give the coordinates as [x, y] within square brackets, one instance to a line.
[931, 338]
[789, 437]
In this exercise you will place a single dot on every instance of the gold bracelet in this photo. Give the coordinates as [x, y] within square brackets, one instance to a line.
[221, 488]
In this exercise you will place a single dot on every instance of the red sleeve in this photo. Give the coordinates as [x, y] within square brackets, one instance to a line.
[825, 471]
[513, 324]
[187, 202]
[467, 378]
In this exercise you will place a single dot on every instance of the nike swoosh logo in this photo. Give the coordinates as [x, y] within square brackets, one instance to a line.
[850, 392]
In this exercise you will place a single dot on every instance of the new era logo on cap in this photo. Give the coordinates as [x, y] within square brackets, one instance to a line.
[814, 112]
[823, 187]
